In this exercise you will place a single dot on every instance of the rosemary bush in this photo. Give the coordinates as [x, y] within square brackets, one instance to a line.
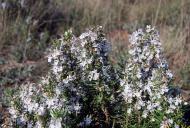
[146, 84]
[83, 89]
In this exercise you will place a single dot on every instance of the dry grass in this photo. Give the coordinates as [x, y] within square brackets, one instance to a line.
[118, 17]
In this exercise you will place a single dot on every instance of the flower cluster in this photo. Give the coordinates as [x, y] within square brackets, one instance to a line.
[81, 89]
[147, 78]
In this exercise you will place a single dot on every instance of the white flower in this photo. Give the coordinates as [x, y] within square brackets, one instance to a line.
[169, 74]
[122, 82]
[51, 103]
[163, 124]
[148, 89]
[93, 75]
[128, 94]
[138, 50]
[138, 94]
[178, 101]
[55, 123]
[4, 5]
[30, 124]
[148, 28]
[141, 103]
[129, 110]
[58, 90]
[139, 75]
[38, 124]
[50, 58]
[23, 119]
[157, 56]
[173, 107]
[41, 110]
[92, 35]
[169, 111]
[132, 52]
[150, 107]
[13, 112]
[56, 62]
[77, 107]
[170, 121]
[83, 63]
[88, 120]
[69, 78]
[32, 107]
[56, 53]
[166, 123]
[152, 119]
[145, 113]
[176, 126]
[133, 38]
[164, 89]
[185, 103]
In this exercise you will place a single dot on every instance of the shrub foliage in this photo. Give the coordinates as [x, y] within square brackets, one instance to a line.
[84, 89]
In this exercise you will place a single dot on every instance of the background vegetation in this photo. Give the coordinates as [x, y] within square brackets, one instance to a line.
[28, 26]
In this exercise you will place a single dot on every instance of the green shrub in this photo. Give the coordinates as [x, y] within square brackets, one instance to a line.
[83, 89]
